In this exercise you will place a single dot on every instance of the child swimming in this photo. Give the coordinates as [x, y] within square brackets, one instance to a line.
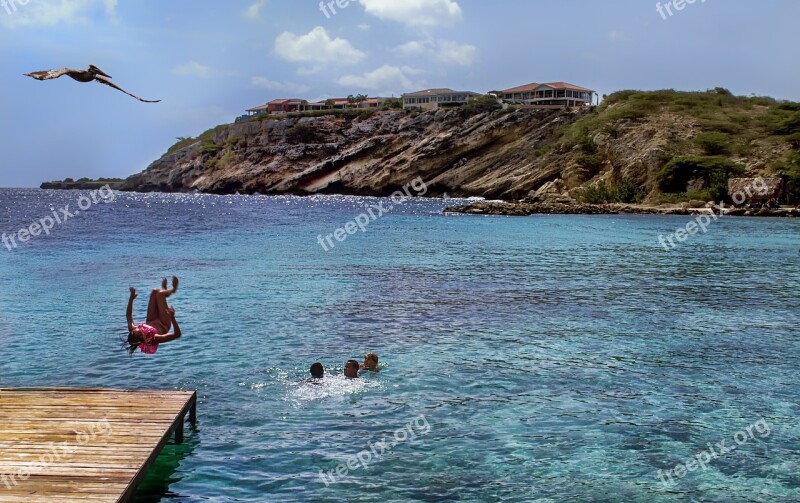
[370, 363]
[160, 318]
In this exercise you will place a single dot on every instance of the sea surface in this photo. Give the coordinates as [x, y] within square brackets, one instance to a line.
[540, 359]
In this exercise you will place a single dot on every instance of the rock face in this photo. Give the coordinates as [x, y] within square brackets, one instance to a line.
[492, 155]
[548, 156]
[519, 209]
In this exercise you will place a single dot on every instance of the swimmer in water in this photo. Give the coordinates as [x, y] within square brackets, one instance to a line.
[370, 363]
[317, 371]
[351, 369]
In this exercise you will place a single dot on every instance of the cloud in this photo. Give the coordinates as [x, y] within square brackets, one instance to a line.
[385, 77]
[194, 69]
[363, 27]
[54, 12]
[318, 48]
[425, 13]
[455, 53]
[253, 13]
[444, 51]
[272, 85]
[617, 36]
[414, 48]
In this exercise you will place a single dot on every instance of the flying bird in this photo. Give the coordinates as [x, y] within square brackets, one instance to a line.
[88, 75]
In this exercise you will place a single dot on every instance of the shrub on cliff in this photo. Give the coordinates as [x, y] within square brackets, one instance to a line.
[210, 146]
[392, 104]
[590, 162]
[627, 191]
[714, 143]
[479, 105]
[714, 171]
[790, 125]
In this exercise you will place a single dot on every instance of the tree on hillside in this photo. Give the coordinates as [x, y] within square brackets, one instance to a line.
[357, 99]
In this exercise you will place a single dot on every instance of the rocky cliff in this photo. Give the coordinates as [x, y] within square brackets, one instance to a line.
[500, 154]
[490, 154]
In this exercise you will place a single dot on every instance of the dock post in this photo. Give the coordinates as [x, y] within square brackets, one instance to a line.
[179, 430]
[193, 413]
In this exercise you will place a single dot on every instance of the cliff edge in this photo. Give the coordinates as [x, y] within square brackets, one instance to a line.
[662, 146]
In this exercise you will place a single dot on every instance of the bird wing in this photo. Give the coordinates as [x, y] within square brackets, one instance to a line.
[107, 82]
[49, 74]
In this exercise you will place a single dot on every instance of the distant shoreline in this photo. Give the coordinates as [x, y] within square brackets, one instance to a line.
[529, 209]
[83, 184]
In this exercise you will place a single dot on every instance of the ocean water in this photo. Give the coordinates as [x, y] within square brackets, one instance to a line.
[541, 359]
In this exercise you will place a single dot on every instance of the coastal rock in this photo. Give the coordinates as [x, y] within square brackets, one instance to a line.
[547, 156]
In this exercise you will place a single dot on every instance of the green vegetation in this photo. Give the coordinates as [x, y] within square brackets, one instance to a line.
[357, 99]
[479, 105]
[715, 143]
[207, 139]
[791, 175]
[589, 158]
[392, 104]
[790, 125]
[717, 110]
[182, 143]
[221, 162]
[210, 146]
[626, 191]
[728, 126]
[713, 171]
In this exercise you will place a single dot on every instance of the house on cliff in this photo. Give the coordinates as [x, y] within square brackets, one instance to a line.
[345, 103]
[284, 106]
[432, 99]
[279, 107]
[550, 95]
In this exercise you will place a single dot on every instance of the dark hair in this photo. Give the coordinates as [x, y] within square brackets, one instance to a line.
[133, 342]
[352, 363]
[317, 370]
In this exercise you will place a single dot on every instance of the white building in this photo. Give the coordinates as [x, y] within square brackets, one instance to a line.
[550, 95]
[431, 99]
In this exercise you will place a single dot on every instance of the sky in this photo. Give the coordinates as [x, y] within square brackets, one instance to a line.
[209, 61]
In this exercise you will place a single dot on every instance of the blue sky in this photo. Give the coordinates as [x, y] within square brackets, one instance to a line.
[209, 61]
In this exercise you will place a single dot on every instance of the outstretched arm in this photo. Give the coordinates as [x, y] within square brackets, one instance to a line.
[160, 339]
[129, 312]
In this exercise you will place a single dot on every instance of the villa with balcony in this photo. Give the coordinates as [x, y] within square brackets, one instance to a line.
[550, 95]
[279, 107]
[432, 99]
[344, 103]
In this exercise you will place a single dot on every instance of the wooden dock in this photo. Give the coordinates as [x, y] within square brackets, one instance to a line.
[84, 445]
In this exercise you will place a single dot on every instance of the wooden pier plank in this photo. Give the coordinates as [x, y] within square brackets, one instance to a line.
[92, 445]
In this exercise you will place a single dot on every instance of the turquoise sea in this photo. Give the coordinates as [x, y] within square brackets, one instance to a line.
[541, 359]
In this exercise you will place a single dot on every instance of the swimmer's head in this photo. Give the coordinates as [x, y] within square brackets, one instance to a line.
[371, 361]
[351, 369]
[317, 371]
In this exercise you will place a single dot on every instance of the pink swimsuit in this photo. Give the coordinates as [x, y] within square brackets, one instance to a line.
[149, 346]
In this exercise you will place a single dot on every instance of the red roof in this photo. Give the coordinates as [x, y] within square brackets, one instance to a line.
[553, 85]
[432, 91]
[522, 89]
[287, 102]
[565, 85]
